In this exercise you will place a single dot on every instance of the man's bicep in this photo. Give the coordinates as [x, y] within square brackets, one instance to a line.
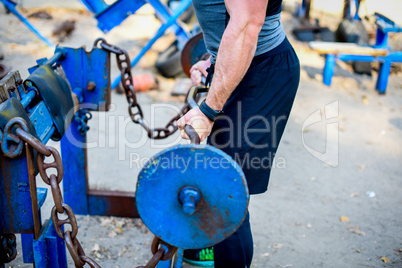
[247, 10]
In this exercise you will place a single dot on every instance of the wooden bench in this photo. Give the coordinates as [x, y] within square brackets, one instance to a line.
[353, 52]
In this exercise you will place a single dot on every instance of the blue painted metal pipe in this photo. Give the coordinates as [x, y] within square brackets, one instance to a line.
[393, 56]
[356, 16]
[348, 57]
[163, 15]
[183, 6]
[114, 14]
[329, 67]
[383, 74]
[28, 98]
[95, 6]
[56, 57]
[11, 6]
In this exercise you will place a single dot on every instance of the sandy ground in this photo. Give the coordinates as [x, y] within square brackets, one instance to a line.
[297, 223]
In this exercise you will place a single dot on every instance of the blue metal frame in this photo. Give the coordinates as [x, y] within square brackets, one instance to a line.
[383, 74]
[165, 15]
[95, 6]
[384, 26]
[161, 31]
[95, 66]
[109, 16]
[90, 71]
[11, 6]
[75, 186]
[113, 15]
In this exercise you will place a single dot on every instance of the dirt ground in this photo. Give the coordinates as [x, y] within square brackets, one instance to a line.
[334, 198]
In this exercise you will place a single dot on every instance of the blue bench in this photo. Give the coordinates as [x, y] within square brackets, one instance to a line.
[380, 52]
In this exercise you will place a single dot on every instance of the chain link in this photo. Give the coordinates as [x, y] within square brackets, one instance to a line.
[154, 260]
[155, 247]
[11, 144]
[8, 246]
[82, 117]
[43, 166]
[159, 253]
[134, 108]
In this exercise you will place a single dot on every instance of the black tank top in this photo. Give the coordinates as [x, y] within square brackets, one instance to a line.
[274, 7]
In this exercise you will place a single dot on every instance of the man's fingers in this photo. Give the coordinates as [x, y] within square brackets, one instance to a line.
[181, 122]
[196, 78]
[201, 124]
[204, 72]
[184, 135]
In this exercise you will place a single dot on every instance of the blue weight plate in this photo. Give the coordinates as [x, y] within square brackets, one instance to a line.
[224, 195]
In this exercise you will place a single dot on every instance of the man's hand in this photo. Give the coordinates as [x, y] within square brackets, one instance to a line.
[198, 70]
[198, 121]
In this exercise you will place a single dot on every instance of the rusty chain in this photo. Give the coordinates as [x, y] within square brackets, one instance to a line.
[8, 245]
[22, 135]
[82, 116]
[134, 108]
[159, 253]
[53, 180]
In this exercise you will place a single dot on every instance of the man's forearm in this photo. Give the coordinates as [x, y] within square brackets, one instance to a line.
[235, 54]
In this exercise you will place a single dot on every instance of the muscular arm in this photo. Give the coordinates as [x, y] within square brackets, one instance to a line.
[236, 51]
[237, 48]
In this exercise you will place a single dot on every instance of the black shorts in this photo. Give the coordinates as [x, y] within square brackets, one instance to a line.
[256, 113]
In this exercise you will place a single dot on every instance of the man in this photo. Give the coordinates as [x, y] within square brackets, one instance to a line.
[255, 78]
